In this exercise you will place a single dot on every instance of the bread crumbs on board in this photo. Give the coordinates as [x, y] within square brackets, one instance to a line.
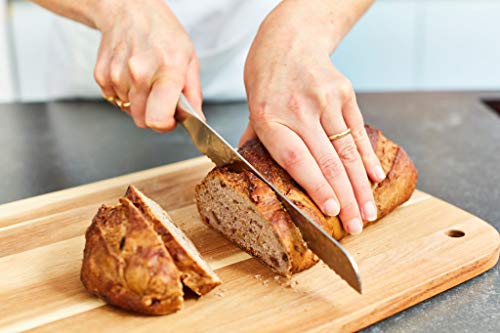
[282, 281]
[220, 292]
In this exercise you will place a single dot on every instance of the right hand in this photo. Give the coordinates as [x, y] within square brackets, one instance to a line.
[146, 58]
[297, 100]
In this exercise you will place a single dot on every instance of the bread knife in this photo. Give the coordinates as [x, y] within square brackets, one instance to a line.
[213, 145]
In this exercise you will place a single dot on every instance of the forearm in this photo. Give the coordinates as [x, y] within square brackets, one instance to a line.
[88, 12]
[324, 22]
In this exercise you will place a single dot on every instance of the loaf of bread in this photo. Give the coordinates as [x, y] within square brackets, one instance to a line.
[135, 258]
[233, 201]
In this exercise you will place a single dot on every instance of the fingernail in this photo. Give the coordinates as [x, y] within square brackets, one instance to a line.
[370, 211]
[379, 172]
[331, 208]
[355, 226]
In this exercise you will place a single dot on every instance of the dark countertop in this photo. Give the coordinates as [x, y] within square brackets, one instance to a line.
[453, 138]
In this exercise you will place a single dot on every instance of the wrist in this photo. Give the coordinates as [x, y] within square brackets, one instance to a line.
[291, 24]
[322, 23]
[104, 12]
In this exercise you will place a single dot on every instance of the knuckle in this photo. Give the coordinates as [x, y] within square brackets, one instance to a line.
[174, 61]
[137, 73]
[345, 89]
[116, 74]
[165, 79]
[294, 104]
[291, 158]
[326, 99]
[120, 47]
[330, 166]
[359, 133]
[321, 190]
[363, 141]
[259, 112]
[296, 107]
[166, 61]
[350, 207]
[100, 76]
[348, 152]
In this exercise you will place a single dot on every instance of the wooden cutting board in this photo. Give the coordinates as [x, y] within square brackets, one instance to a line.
[423, 248]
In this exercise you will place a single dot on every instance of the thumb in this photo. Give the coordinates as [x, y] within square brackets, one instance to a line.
[247, 135]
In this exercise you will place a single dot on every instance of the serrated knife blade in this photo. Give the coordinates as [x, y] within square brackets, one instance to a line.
[213, 145]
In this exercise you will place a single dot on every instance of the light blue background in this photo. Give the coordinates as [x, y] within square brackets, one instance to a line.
[397, 45]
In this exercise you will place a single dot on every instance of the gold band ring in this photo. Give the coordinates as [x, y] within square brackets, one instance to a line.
[121, 104]
[340, 135]
[110, 99]
[124, 106]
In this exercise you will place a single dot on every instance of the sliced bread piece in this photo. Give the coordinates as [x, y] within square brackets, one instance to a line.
[195, 272]
[236, 203]
[126, 263]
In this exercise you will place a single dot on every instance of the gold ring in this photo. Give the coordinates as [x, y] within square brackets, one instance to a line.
[340, 135]
[121, 104]
[124, 106]
[110, 99]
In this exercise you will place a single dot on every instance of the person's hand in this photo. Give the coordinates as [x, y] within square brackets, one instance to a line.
[146, 59]
[297, 99]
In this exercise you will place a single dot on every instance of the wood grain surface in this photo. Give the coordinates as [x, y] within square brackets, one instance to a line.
[423, 248]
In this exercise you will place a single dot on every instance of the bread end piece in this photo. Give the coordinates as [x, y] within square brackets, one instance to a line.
[126, 264]
[401, 174]
[196, 274]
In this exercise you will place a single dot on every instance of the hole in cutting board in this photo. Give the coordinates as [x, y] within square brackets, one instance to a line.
[455, 233]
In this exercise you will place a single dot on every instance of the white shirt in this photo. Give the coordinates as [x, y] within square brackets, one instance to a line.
[221, 30]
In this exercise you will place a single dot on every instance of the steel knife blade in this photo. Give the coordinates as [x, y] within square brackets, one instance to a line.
[213, 145]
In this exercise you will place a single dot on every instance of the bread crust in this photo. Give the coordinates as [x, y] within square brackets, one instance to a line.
[401, 174]
[126, 264]
[395, 189]
[294, 249]
[195, 273]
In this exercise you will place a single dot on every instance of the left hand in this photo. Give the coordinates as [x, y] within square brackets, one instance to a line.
[297, 99]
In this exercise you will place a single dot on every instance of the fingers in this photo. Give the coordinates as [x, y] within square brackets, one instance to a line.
[144, 62]
[119, 72]
[162, 101]
[334, 170]
[138, 98]
[142, 70]
[249, 134]
[354, 120]
[153, 89]
[346, 149]
[288, 149]
[101, 70]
